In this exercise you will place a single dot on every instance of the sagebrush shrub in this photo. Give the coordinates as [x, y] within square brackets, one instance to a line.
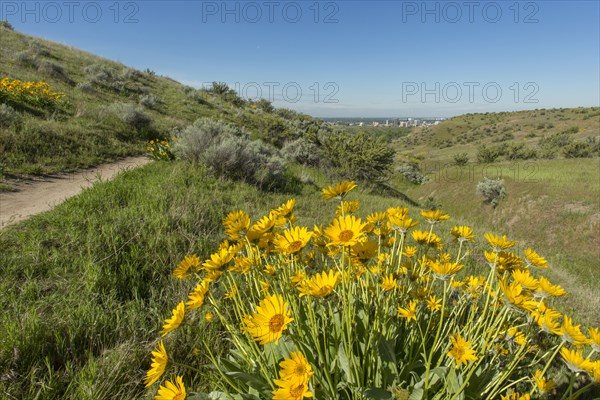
[86, 87]
[228, 151]
[27, 59]
[492, 190]
[302, 151]
[131, 115]
[8, 115]
[411, 171]
[150, 101]
[52, 69]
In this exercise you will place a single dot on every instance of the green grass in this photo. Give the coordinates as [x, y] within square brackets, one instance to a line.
[552, 206]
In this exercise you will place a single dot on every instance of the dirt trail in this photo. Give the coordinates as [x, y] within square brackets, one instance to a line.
[42, 194]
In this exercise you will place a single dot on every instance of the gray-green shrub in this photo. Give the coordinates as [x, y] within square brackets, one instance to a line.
[131, 115]
[411, 171]
[228, 151]
[492, 190]
[8, 115]
[150, 101]
[302, 151]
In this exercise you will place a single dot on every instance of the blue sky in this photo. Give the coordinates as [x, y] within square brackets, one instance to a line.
[347, 58]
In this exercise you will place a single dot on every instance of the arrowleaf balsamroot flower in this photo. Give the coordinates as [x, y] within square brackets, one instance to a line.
[515, 396]
[543, 385]
[175, 320]
[461, 351]
[499, 243]
[425, 238]
[271, 318]
[345, 231]
[572, 333]
[409, 312]
[347, 207]
[196, 297]
[320, 285]
[296, 369]
[534, 259]
[289, 391]
[293, 240]
[433, 303]
[444, 270]
[594, 339]
[158, 365]
[172, 391]
[434, 216]
[547, 289]
[339, 190]
[218, 259]
[388, 283]
[236, 224]
[575, 361]
[463, 233]
[183, 269]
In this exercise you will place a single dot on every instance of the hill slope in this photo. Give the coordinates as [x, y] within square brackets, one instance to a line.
[109, 110]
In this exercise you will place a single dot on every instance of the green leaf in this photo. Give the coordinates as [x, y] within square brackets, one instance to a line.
[417, 394]
[343, 359]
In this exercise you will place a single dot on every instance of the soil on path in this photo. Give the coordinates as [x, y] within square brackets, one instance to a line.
[42, 194]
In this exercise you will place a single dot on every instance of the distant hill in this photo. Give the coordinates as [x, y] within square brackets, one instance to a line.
[467, 132]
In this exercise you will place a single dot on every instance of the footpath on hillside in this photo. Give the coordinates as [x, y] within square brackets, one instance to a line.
[42, 194]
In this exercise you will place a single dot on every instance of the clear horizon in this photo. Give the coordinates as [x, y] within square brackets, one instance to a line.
[347, 58]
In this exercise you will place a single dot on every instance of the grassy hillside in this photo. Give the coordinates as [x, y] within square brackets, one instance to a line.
[552, 205]
[109, 110]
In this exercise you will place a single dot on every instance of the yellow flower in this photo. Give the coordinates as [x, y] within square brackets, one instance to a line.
[271, 318]
[433, 303]
[524, 278]
[513, 334]
[182, 270]
[264, 225]
[461, 353]
[503, 261]
[175, 320]
[196, 297]
[514, 296]
[286, 209]
[409, 251]
[402, 223]
[339, 190]
[158, 365]
[209, 317]
[389, 282]
[320, 285]
[546, 318]
[289, 391]
[425, 238]
[534, 259]
[264, 286]
[236, 224]
[218, 259]
[575, 361]
[594, 339]
[434, 216]
[296, 369]
[543, 385]
[443, 270]
[345, 231]
[298, 278]
[172, 391]
[293, 240]
[572, 333]
[546, 289]
[515, 396]
[364, 251]
[462, 233]
[409, 312]
[347, 207]
[499, 243]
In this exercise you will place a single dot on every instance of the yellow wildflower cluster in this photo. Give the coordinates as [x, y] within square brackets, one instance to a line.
[36, 93]
[363, 306]
[160, 149]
